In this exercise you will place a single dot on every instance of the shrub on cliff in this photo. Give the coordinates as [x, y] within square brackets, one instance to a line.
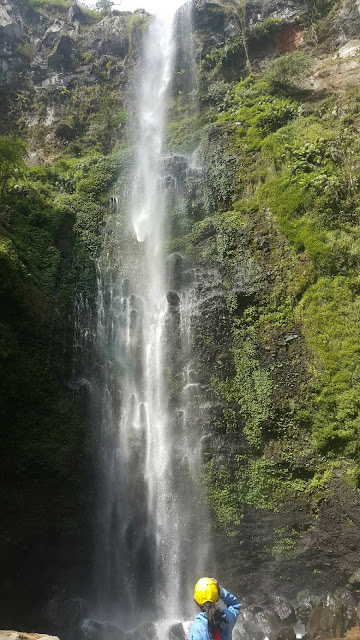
[287, 71]
[12, 153]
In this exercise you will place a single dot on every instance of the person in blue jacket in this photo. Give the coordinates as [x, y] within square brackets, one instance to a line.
[212, 623]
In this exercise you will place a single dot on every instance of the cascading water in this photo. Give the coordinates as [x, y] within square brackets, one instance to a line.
[150, 530]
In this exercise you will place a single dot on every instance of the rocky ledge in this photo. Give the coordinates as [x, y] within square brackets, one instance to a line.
[22, 635]
[309, 617]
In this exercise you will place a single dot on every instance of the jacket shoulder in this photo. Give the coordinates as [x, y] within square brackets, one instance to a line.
[198, 631]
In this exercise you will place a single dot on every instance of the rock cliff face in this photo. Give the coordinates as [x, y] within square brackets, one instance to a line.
[287, 517]
[267, 248]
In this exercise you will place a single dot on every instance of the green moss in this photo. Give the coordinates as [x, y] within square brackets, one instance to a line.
[51, 6]
[329, 312]
[291, 196]
[184, 135]
[49, 239]
[247, 396]
[268, 28]
[222, 492]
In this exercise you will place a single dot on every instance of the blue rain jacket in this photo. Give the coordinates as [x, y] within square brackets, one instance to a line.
[199, 629]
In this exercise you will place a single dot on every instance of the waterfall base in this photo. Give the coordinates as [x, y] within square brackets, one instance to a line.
[163, 630]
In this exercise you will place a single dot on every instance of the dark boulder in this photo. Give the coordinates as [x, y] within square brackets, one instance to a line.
[62, 57]
[64, 132]
[52, 34]
[112, 37]
[286, 633]
[354, 583]
[284, 609]
[332, 616]
[173, 299]
[304, 603]
[92, 630]
[9, 28]
[147, 631]
[325, 622]
[174, 269]
[349, 608]
[75, 14]
[176, 632]
[126, 287]
[253, 630]
[268, 622]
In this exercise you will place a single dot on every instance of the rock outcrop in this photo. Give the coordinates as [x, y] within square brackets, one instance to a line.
[23, 635]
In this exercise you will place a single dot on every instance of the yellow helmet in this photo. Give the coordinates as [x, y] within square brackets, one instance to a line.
[206, 591]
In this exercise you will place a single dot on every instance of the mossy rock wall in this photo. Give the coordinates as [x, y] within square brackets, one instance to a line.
[275, 253]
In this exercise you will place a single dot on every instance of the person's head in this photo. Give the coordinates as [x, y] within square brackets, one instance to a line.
[206, 595]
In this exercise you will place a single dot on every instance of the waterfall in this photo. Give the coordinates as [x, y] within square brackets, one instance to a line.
[151, 529]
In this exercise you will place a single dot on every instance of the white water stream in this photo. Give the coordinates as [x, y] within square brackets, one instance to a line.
[151, 529]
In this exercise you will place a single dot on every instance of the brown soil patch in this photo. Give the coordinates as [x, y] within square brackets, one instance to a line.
[289, 39]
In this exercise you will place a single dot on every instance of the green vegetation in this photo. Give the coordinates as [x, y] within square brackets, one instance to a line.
[12, 153]
[291, 392]
[287, 71]
[104, 6]
[330, 313]
[49, 238]
[184, 135]
[51, 6]
[268, 28]
[249, 392]
[285, 541]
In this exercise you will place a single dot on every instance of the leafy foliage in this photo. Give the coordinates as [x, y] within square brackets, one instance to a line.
[49, 237]
[292, 180]
[12, 154]
[287, 71]
[249, 392]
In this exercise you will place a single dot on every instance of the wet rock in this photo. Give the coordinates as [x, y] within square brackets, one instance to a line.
[133, 318]
[126, 287]
[268, 622]
[174, 267]
[253, 631]
[303, 604]
[253, 602]
[147, 631]
[354, 583]
[137, 303]
[176, 632]
[326, 621]
[284, 609]
[92, 630]
[173, 299]
[286, 633]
